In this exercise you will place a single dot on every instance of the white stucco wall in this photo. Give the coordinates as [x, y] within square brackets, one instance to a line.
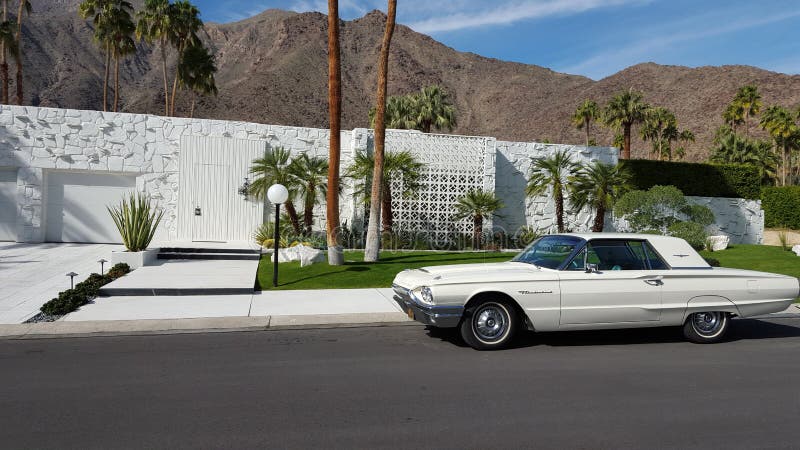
[36, 141]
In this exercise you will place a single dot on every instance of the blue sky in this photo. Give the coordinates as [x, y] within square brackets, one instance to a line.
[595, 38]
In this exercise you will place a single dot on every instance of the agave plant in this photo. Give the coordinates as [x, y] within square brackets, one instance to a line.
[136, 219]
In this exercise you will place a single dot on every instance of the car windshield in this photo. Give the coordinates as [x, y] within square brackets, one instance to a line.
[549, 251]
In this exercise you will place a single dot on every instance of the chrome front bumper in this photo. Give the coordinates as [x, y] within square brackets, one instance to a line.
[443, 316]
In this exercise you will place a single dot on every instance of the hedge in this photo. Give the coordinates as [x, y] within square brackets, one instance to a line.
[83, 292]
[702, 180]
[781, 207]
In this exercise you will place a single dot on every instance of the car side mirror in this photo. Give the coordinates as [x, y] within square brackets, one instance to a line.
[592, 268]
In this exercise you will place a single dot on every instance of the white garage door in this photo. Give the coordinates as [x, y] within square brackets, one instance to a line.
[8, 205]
[76, 206]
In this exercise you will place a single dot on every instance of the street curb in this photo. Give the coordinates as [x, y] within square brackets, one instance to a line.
[100, 328]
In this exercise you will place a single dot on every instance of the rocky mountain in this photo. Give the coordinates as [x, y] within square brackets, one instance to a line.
[273, 69]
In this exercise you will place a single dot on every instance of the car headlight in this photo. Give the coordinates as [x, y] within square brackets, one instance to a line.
[423, 294]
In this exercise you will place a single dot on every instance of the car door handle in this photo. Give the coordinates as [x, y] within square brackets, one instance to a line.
[654, 281]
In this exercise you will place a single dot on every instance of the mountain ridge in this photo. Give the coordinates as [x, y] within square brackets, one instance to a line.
[273, 69]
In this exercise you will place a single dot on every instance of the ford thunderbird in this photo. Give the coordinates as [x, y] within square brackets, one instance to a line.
[591, 281]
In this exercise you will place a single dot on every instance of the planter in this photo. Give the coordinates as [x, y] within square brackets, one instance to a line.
[134, 259]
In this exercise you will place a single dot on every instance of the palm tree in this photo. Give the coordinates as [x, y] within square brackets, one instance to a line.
[9, 43]
[185, 19]
[659, 126]
[759, 154]
[434, 110]
[309, 174]
[622, 112]
[733, 115]
[154, 24]
[599, 186]
[684, 137]
[120, 35]
[749, 100]
[478, 205]
[779, 122]
[400, 113]
[554, 172]
[373, 242]
[103, 13]
[396, 165]
[274, 168]
[586, 113]
[196, 71]
[24, 7]
[335, 255]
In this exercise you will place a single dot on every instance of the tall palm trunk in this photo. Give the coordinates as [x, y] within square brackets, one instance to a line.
[19, 49]
[559, 199]
[164, 73]
[626, 142]
[386, 208]
[292, 213]
[372, 247]
[116, 82]
[4, 58]
[175, 85]
[783, 165]
[308, 210]
[477, 228]
[587, 124]
[335, 254]
[194, 100]
[105, 78]
[599, 219]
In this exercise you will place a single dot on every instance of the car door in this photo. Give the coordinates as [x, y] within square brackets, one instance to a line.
[623, 288]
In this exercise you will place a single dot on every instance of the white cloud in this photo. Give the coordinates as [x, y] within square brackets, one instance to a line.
[605, 63]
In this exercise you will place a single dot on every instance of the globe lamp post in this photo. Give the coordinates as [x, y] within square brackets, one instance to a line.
[277, 194]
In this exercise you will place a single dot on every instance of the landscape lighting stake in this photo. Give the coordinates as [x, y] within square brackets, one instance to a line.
[102, 261]
[72, 276]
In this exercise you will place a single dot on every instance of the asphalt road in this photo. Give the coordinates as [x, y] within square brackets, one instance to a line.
[403, 387]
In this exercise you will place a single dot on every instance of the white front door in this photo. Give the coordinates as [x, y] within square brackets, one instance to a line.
[8, 205]
[211, 192]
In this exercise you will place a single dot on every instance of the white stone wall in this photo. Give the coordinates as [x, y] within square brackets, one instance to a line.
[513, 164]
[38, 140]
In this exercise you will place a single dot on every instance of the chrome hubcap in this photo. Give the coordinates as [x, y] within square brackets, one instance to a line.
[490, 322]
[707, 323]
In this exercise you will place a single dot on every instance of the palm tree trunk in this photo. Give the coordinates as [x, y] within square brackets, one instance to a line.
[105, 78]
[599, 219]
[19, 49]
[116, 83]
[477, 228]
[586, 126]
[783, 166]
[559, 198]
[626, 142]
[292, 213]
[335, 254]
[164, 73]
[372, 247]
[175, 84]
[386, 208]
[194, 100]
[308, 210]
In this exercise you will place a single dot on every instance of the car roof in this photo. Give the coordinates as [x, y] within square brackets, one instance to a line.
[676, 252]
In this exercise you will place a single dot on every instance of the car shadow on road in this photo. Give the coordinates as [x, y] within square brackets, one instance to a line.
[741, 329]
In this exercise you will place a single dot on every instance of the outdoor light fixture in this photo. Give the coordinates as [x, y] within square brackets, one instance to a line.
[72, 276]
[244, 189]
[277, 194]
[102, 261]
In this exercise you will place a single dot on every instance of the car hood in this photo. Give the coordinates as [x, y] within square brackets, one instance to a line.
[469, 273]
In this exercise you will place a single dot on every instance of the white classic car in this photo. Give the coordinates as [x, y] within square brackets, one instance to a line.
[584, 281]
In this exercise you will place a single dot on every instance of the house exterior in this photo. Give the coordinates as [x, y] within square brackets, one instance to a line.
[61, 168]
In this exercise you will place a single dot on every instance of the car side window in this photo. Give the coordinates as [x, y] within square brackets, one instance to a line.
[578, 261]
[619, 255]
[656, 263]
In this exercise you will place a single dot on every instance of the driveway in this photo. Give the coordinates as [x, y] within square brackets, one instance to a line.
[32, 274]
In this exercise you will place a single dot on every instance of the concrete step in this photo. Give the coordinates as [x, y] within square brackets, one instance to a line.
[173, 292]
[208, 250]
[210, 256]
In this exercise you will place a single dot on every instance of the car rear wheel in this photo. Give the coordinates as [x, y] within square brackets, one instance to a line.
[706, 327]
[489, 325]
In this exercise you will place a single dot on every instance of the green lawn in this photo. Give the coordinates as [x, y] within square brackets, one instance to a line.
[764, 258]
[355, 273]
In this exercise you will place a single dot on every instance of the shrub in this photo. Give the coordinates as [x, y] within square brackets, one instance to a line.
[118, 270]
[83, 292]
[691, 232]
[659, 208]
[781, 206]
[137, 220]
[703, 180]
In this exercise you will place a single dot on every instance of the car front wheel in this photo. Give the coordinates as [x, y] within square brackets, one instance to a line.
[706, 327]
[489, 325]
